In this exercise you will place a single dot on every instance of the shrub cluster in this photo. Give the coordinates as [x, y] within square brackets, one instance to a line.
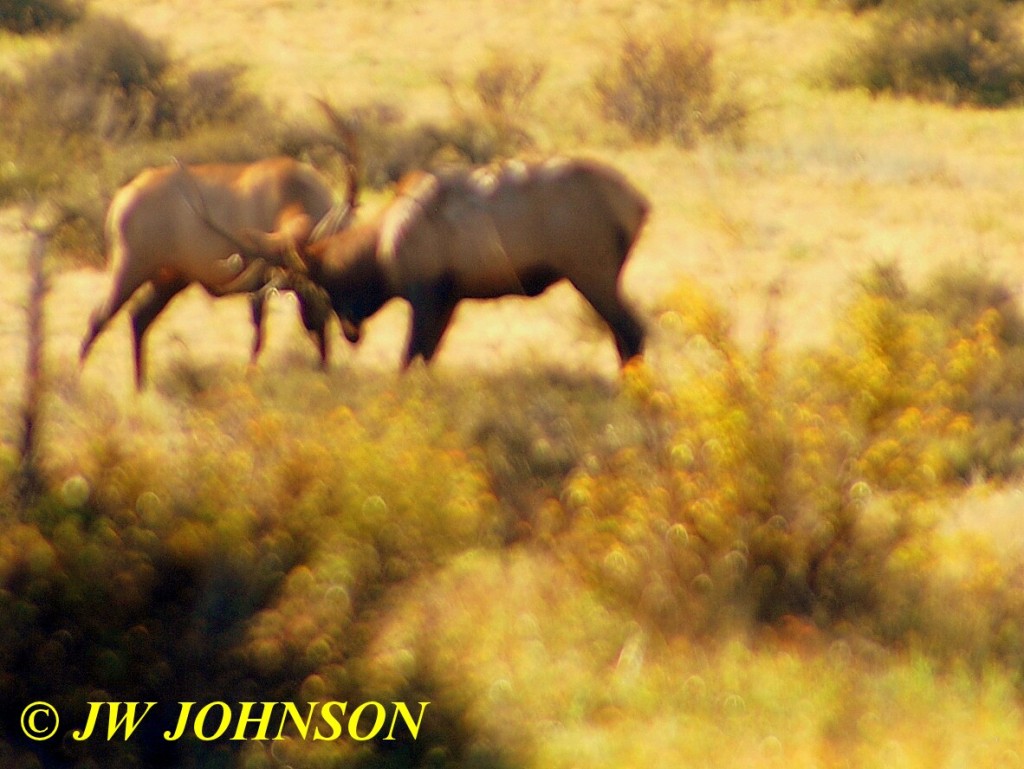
[110, 100]
[113, 82]
[952, 51]
[29, 16]
[664, 86]
[107, 101]
[238, 566]
[493, 119]
[760, 490]
[489, 121]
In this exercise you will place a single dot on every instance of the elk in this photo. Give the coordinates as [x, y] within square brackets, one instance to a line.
[485, 233]
[173, 226]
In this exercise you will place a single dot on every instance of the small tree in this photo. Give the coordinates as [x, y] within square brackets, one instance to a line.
[30, 481]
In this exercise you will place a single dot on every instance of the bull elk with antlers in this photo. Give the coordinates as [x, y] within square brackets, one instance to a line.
[479, 234]
[482, 234]
[174, 225]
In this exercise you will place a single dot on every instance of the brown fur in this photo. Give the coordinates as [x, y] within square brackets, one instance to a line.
[159, 241]
[488, 233]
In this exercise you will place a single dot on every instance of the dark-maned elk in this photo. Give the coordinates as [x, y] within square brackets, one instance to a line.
[161, 235]
[486, 233]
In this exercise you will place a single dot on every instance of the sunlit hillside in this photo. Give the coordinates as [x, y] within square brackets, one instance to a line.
[790, 537]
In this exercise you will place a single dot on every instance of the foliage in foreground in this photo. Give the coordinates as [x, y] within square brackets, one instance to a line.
[548, 561]
[811, 487]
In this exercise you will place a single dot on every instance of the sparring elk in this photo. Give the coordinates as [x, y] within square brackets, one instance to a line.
[173, 226]
[486, 233]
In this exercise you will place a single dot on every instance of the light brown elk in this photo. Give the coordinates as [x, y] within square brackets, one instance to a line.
[173, 226]
[486, 233]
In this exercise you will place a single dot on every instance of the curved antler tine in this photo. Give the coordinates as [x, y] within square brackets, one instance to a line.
[350, 148]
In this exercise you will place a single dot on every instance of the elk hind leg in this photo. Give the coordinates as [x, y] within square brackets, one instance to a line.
[627, 329]
[125, 284]
[143, 314]
[257, 309]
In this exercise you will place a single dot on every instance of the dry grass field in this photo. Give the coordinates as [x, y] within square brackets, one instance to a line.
[586, 640]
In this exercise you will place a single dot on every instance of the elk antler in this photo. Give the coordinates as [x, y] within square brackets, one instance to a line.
[248, 242]
[349, 149]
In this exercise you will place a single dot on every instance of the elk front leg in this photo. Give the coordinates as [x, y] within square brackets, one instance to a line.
[432, 309]
[257, 300]
[314, 309]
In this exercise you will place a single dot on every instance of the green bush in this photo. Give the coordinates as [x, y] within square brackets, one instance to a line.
[665, 86]
[28, 16]
[951, 51]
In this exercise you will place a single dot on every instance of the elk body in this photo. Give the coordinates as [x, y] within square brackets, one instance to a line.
[160, 239]
[483, 234]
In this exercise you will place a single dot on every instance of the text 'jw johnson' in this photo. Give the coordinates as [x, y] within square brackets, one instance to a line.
[243, 721]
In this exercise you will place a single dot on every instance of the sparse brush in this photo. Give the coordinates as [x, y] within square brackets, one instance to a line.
[947, 51]
[664, 85]
[35, 16]
[114, 82]
[108, 80]
[390, 146]
[493, 120]
[108, 101]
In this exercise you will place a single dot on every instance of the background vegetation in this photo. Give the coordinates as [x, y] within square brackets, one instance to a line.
[955, 52]
[793, 530]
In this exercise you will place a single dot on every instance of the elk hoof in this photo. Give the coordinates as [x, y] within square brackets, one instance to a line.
[351, 331]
